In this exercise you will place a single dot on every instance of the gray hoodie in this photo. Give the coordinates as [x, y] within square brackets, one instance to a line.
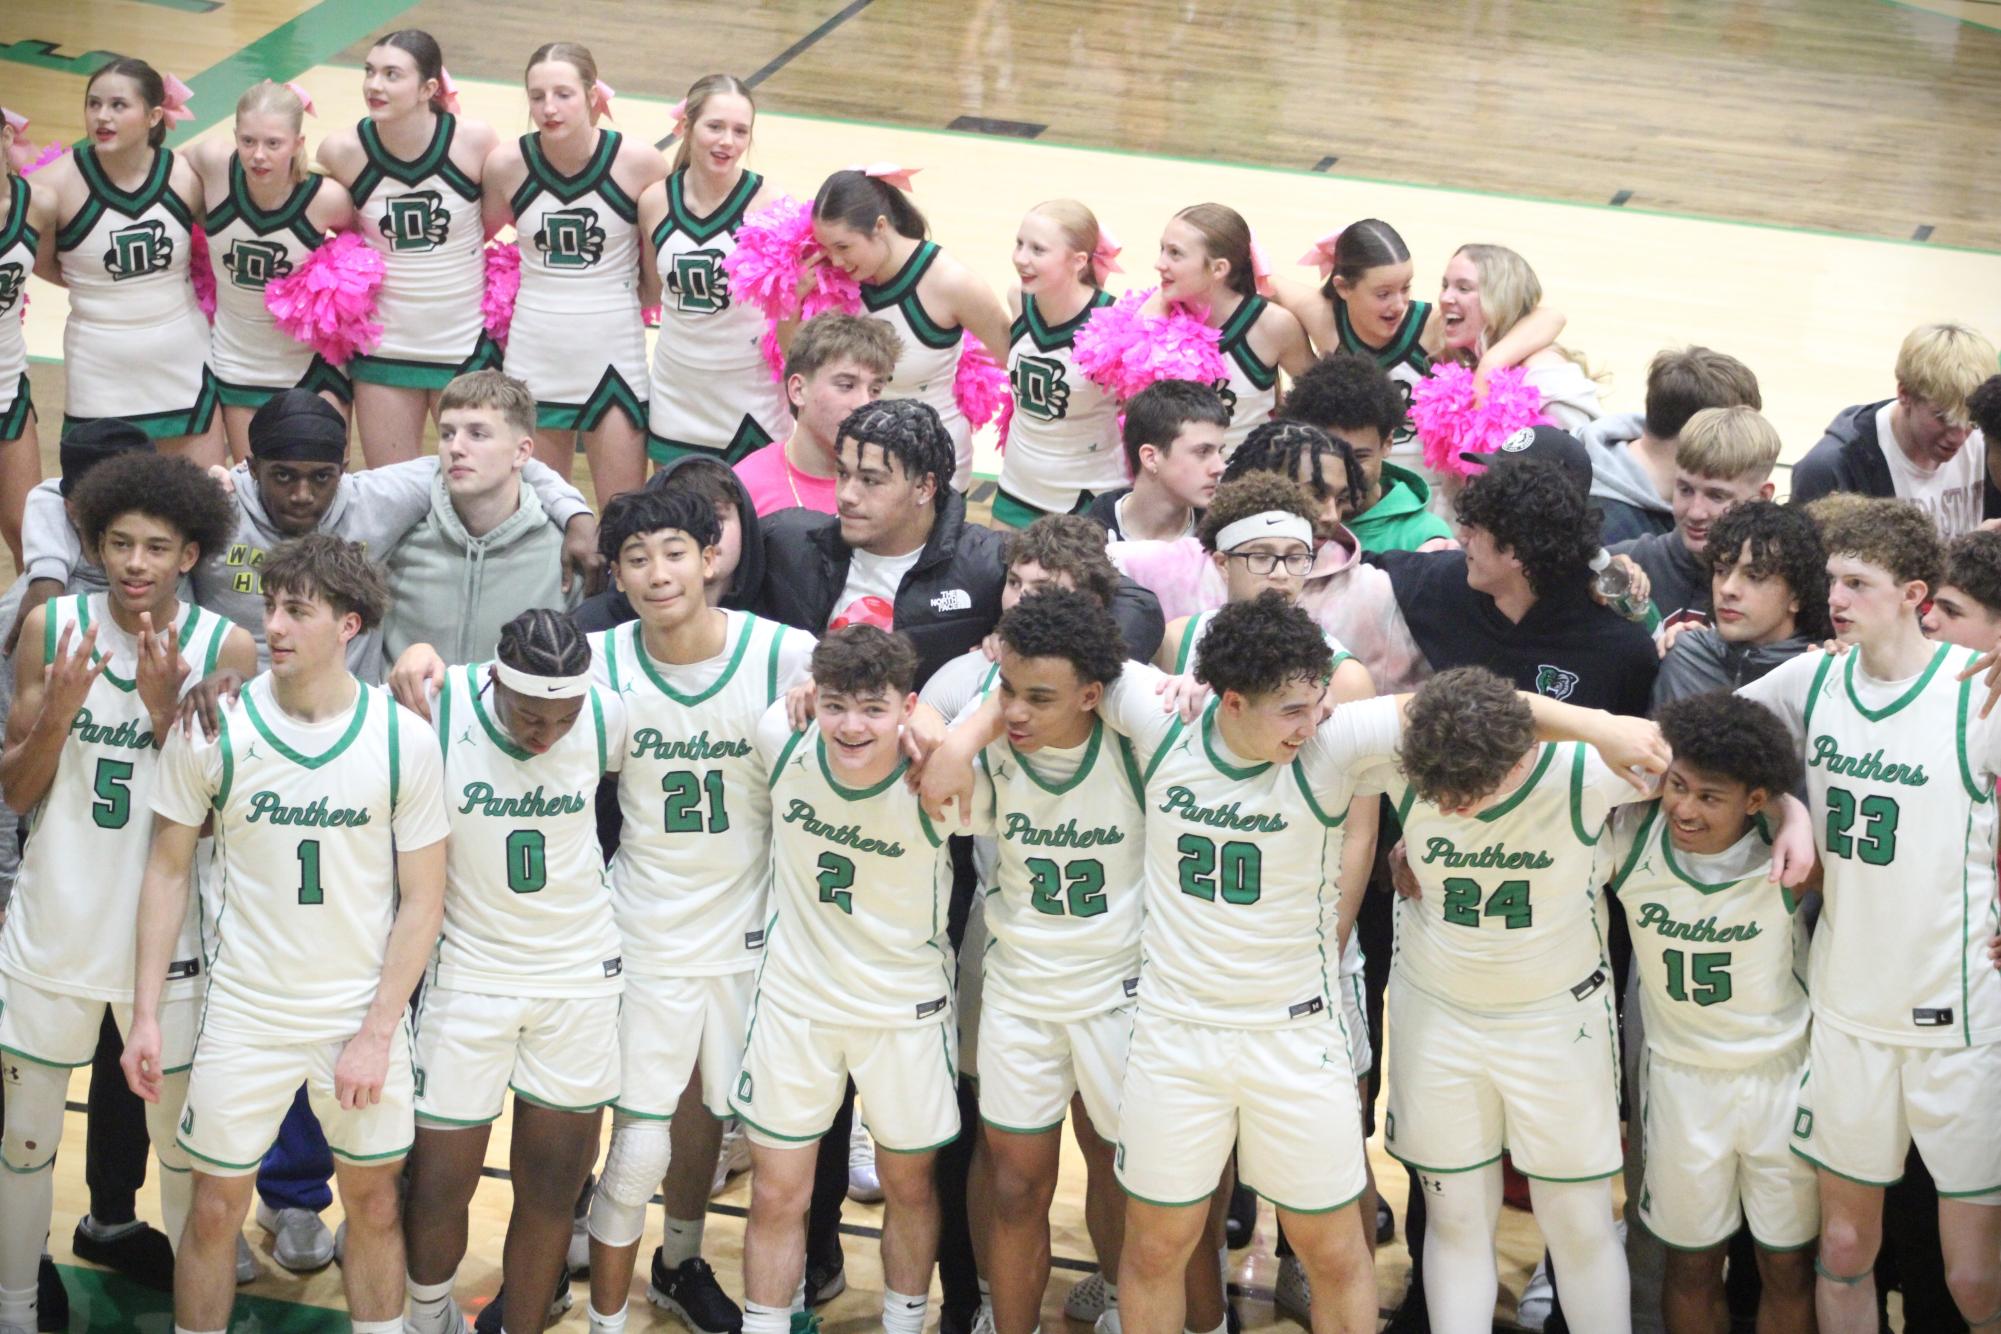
[1620, 485]
[50, 545]
[1702, 660]
[375, 507]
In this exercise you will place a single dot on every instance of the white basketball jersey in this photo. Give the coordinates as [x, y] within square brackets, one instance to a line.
[1722, 957]
[308, 821]
[693, 860]
[250, 249]
[1900, 780]
[579, 235]
[1064, 436]
[69, 926]
[1249, 388]
[18, 241]
[422, 216]
[1064, 912]
[861, 885]
[527, 894]
[1509, 915]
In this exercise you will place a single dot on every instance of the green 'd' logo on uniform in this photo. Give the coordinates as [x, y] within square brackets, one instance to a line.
[12, 277]
[570, 238]
[138, 250]
[698, 283]
[252, 264]
[1229, 397]
[416, 221]
[1040, 388]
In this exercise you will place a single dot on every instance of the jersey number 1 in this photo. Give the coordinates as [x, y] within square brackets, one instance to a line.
[685, 790]
[310, 892]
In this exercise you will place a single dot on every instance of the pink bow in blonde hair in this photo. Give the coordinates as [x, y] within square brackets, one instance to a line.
[305, 99]
[174, 107]
[1322, 255]
[601, 95]
[888, 172]
[679, 114]
[1105, 259]
[1260, 268]
[448, 92]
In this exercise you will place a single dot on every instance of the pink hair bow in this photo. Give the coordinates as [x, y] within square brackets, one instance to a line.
[679, 114]
[1322, 254]
[888, 172]
[1260, 268]
[601, 95]
[305, 99]
[15, 119]
[448, 92]
[175, 105]
[1105, 259]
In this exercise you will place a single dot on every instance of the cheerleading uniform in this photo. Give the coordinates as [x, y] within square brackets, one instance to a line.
[577, 340]
[1404, 360]
[17, 260]
[250, 357]
[422, 216]
[929, 367]
[1063, 444]
[1249, 387]
[135, 345]
[712, 392]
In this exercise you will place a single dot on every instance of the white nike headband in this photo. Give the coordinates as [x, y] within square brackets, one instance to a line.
[1269, 523]
[541, 687]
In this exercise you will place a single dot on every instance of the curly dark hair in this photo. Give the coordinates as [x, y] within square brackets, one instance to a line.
[1973, 566]
[652, 510]
[1893, 535]
[159, 486]
[338, 572]
[1728, 736]
[1066, 544]
[1984, 406]
[909, 432]
[863, 660]
[1057, 623]
[1533, 510]
[1260, 646]
[1282, 446]
[1255, 494]
[544, 642]
[1344, 391]
[1784, 542]
[1464, 729]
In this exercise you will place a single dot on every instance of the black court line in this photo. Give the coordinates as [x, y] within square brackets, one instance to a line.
[1923, 233]
[1619, 200]
[1325, 163]
[797, 49]
[1006, 129]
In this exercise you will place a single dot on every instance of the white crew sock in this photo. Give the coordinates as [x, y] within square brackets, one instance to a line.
[903, 1313]
[681, 1242]
[608, 1324]
[766, 1319]
[430, 1306]
[378, 1326]
[1111, 1295]
[1220, 1329]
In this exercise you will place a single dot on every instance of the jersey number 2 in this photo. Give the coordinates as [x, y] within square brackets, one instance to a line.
[1086, 891]
[837, 877]
[1236, 868]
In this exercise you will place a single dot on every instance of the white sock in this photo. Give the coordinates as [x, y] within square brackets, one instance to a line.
[766, 1319]
[1111, 1295]
[903, 1313]
[17, 1305]
[378, 1326]
[798, 1296]
[430, 1306]
[107, 1231]
[183, 1329]
[987, 1301]
[608, 1324]
[1220, 1329]
[681, 1242]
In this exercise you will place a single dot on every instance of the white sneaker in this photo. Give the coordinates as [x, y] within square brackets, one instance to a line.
[864, 1186]
[300, 1241]
[247, 1268]
[734, 1158]
[1108, 1323]
[983, 1323]
[1086, 1299]
[1292, 1294]
[1532, 1311]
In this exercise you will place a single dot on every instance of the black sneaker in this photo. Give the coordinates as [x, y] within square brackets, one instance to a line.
[490, 1320]
[1386, 1222]
[825, 1282]
[1242, 1219]
[1412, 1315]
[51, 1299]
[690, 1291]
[141, 1253]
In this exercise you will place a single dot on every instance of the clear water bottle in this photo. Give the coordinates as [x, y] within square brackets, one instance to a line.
[1613, 583]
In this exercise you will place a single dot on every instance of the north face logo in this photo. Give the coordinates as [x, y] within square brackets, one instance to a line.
[953, 599]
[1555, 682]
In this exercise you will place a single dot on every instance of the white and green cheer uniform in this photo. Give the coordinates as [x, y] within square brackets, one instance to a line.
[422, 216]
[309, 818]
[1906, 1040]
[250, 357]
[1403, 359]
[1720, 955]
[929, 366]
[712, 392]
[1239, 1039]
[524, 990]
[857, 977]
[1063, 444]
[577, 340]
[18, 241]
[1500, 1011]
[1249, 387]
[66, 947]
[135, 345]
[693, 862]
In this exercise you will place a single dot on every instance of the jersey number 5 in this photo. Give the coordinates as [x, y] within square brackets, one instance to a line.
[113, 808]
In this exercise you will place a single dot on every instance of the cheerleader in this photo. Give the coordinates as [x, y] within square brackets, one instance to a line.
[870, 230]
[27, 226]
[1207, 265]
[413, 169]
[135, 345]
[712, 392]
[1488, 293]
[577, 339]
[1063, 446]
[265, 214]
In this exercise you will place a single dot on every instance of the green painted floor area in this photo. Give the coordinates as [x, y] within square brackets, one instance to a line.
[101, 1302]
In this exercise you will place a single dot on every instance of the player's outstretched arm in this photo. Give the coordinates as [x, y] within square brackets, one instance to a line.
[948, 775]
[420, 914]
[1631, 747]
[418, 675]
[1792, 844]
[163, 906]
[1358, 858]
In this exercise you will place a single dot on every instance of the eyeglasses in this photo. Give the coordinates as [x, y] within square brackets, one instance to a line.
[1264, 562]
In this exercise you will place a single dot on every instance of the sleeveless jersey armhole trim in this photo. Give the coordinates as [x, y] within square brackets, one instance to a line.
[778, 765]
[222, 743]
[1641, 837]
[1515, 798]
[1235, 342]
[1404, 802]
[1166, 744]
[771, 665]
[1129, 767]
[215, 642]
[17, 228]
[444, 722]
[1813, 694]
[930, 832]
[1973, 789]
[502, 742]
[1589, 840]
[395, 761]
[611, 656]
[49, 619]
[1299, 778]
[1190, 632]
[597, 721]
[901, 292]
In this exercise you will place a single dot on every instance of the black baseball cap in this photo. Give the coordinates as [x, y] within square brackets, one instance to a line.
[90, 443]
[1551, 444]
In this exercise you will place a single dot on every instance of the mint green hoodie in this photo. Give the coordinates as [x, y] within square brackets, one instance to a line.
[1402, 519]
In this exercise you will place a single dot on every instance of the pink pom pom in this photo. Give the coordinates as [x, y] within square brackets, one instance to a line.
[777, 267]
[979, 386]
[328, 302]
[503, 284]
[1004, 420]
[44, 158]
[1450, 422]
[201, 272]
[650, 316]
[1123, 351]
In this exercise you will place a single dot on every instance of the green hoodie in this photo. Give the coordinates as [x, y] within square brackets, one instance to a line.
[1401, 520]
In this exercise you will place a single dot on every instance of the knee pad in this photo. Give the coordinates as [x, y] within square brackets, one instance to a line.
[34, 1127]
[633, 1167]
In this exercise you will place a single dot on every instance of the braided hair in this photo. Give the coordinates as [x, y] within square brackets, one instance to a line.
[909, 432]
[1281, 446]
[542, 642]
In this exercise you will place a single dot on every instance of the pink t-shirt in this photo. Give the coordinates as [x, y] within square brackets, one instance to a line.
[774, 484]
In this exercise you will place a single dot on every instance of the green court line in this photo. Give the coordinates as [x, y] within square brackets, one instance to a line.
[101, 1302]
[1947, 18]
